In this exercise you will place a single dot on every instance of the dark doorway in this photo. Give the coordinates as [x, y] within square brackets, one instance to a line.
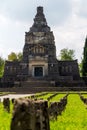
[38, 71]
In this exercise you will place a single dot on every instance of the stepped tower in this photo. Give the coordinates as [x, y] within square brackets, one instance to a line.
[39, 51]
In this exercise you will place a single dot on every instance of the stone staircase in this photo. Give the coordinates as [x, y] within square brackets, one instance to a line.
[36, 82]
[33, 85]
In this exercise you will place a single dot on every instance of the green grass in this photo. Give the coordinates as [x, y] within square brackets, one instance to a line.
[5, 118]
[84, 95]
[57, 97]
[74, 117]
[45, 96]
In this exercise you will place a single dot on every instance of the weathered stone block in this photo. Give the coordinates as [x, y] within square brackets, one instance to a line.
[30, 115]
[6, 103]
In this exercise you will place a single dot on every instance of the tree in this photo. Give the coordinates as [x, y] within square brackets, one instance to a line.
[14, 56]
[67, 54]
[80, 68]
[1, 66]
[84, 61]
[19, 56]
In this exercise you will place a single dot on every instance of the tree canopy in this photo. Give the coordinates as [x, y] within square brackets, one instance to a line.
[19, 56]
[15, 56]
[67, 54]
[11, 57]
[84, 61]
[1, 66]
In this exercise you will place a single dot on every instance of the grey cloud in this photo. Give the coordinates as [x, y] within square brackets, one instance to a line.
[83, 9]
[24, 10]
[17, 9]
[59, 11]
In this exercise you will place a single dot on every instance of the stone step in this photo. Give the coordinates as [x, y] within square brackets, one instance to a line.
[37, 79]
[37, 83]
[41, 89]
[45, 83]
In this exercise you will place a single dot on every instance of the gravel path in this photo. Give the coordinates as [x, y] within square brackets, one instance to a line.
[14, 96]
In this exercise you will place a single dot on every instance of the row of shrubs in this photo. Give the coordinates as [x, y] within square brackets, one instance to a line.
[52, 96]
[35, 96]
[83, 99]
[6, 101]
[56, 108]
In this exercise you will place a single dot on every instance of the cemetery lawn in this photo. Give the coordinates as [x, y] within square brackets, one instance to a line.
[5, 118]
[73, 118]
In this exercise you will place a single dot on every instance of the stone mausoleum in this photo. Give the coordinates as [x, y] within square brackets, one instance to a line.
[39, 60]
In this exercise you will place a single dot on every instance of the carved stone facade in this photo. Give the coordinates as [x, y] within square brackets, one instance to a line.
[39, 56]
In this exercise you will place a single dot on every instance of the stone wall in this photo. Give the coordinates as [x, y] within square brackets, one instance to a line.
[69, 68]
[85, 80]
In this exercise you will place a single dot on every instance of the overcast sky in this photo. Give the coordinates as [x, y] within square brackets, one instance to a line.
[67, 19]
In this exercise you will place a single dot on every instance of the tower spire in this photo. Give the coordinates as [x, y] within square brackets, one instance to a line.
[40, 18]
[40, 23]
